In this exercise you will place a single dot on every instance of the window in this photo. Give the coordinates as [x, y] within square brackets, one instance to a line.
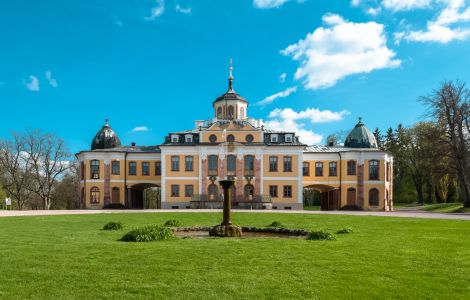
[373, 170]
[249, 138]
[115, 167]
[318, 169]
[175, 190]
[188, 164]
[219, 112]
[189, 138]
[273, 164]
[333, 169]
[94, 195]
[306, 168]
[132, 168]
[212, 138]
[351, 167]
[273, 138]
[373, 197]
[288, 138]
[242, 113]
[175, 139]
[188, 190]
[273, 191]
[95, 169]
[231, 165]
[230, 138]
[175, 163]
[213, 165]
[287, 163]
[158, 168]
[288, 191]
[249, 165]
[249, 191]
[145, 168]
[231, 113]
[213, 191]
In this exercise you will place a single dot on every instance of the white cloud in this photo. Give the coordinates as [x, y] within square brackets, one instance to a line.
[355, 2]
[344, 48]
[157, 10]
[282, 94]
[268, 3]
[183, 10]
[373, 11]
[33, 84]
[289, 120]
[52, 81]
[282, 78]
[140, 129]
[397, 5]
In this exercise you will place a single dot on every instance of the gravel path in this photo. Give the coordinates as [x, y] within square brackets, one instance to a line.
[401, 214]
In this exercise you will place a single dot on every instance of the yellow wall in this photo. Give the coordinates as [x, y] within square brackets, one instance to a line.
[182, 172]
[280, 190]
[280, 166]
[239, 136]
[181, 183]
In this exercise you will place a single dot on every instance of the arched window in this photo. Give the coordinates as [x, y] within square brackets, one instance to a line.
[213, 138]
[231, 113]
[219, 113]
[351, 196]
[231, 165]
[94, 195]
[213, 191]
[249, 165]
[249, 191]
[95, 169]
[212, 165]
[374, 170]
[242, 113]
[249, 138]
[115, 195]
[230, 138]
[373, 197]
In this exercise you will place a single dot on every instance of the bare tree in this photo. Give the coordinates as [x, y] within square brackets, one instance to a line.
[15, 174]
[48, 160]
[450, 106]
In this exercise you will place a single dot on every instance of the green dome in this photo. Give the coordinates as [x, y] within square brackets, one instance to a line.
[106, 138]
[360, 137]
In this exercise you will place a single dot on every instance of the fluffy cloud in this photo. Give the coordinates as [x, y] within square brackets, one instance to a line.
[140, 129]
[397, 5]
[282, 78]
[157, 10]
[268, 3]
[33, 84]
[52, 81]
[283, 94]
[183, 10]
[289, 120]
[342, 48]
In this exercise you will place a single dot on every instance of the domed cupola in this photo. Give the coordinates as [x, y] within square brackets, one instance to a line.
[230, 106]
[106, 138]
[360, 137]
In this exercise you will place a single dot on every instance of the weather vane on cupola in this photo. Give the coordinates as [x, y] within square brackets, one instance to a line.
[230, 78]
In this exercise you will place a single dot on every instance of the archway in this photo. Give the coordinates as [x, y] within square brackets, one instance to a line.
[249, 192]
[143, 196]
[329, 196]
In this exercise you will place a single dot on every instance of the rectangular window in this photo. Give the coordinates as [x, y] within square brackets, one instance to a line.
[231, 165]
[188, 163]
[145, 168]
[318, 169]
[288, 139]
[273, 164]
[287, 163]
[213, 165]
[115, 167]
[273, 191]
[95, 169]
[333, 169]
[175, 190]
[306, 169]
[288, 191]
[175, 163]
[373, 170]
[249, 165]
[189, 139]
[132, 168]
[188, 190]
[158, 168]
[273, 138]
[351, 167]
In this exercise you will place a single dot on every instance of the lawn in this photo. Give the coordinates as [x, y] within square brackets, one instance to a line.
[71, 257]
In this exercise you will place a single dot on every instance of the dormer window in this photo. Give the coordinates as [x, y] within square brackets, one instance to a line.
[175, 138]
[188, 138]
[288, 138]
[274, 138]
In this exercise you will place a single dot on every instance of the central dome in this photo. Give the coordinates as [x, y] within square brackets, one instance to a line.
[360, 137]
[106, 138]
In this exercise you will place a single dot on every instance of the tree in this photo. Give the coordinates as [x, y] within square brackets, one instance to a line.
[48, 160]
[15, 174]
[450, 107]
[379, 138]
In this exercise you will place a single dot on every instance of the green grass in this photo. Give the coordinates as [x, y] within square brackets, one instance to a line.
[445, 208]
[311, 207]
[384, 258]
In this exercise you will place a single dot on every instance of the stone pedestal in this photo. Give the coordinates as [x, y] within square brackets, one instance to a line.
[226, 231]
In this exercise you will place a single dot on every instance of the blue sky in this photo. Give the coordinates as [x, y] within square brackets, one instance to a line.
[67, 65]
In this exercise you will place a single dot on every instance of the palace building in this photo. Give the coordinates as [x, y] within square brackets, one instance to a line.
[271, 167]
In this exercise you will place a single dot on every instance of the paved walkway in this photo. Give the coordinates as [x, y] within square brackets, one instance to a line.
[400, 214]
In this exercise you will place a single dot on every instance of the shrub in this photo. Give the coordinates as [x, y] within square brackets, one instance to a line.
[345, 230]
[148, 233]
[113, 226]
[173, 223]
[114, 206]
[322, 235]
[276, 224]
